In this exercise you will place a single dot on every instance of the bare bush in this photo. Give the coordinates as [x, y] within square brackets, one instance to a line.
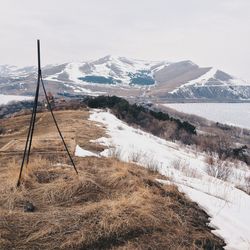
[152, 165]
[169, 130]
[177, 164]
[120, 127]
[185, 168]
[185, 137]
[247, 184]
[218, 168]
[215, 143]
[114, 152]
[136, 156]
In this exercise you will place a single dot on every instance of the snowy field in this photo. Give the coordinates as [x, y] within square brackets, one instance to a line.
[227, 205]
[4, 99]
[237, 114]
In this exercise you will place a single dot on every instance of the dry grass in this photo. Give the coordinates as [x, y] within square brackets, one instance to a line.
[109, 205]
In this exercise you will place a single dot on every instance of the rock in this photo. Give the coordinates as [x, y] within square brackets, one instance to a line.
[29, 207]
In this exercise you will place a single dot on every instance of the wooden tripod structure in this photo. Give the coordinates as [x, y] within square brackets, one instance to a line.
[26, 153]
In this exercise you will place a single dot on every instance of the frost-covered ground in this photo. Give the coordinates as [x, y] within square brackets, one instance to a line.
[4, 99]
[228, 206]
[237, 114]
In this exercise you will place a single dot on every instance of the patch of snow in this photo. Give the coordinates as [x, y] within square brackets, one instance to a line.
[54, 77]
[80, 152]
[74, 72]
[16, 72]
[228, 206]
[198, 81]
[238, 82]
[79, 89]
[4, 99]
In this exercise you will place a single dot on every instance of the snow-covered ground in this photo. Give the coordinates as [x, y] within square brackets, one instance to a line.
[236, 114]
[83, 152]
[228, 206]
[4, 99]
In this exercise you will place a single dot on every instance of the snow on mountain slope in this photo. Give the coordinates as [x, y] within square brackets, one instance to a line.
[174, 80]
[214, 84]
[228, 206]
[110, 70]
[202, 80]
[6, 69]
[163, 79]
[4, 99]
[15, 72]
[73, 72]
[212, 78]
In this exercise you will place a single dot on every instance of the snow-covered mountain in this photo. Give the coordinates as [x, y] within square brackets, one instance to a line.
[10, 71]
[214, 84]
[107, 70]
[112, 74]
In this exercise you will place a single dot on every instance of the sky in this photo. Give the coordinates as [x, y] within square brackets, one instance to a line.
[208, 32]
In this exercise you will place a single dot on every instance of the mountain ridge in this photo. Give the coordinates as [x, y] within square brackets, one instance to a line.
[113, 74]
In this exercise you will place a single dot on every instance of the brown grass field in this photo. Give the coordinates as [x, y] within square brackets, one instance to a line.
[109, 205]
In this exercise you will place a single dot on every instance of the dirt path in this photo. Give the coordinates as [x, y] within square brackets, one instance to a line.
[74, 125]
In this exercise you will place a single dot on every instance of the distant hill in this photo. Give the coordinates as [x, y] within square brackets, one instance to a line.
[183, 80]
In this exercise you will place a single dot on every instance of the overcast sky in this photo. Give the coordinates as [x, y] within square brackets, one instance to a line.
[208, 32]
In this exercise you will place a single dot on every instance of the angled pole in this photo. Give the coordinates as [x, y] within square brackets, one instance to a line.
[54, 119]
[28, 143]
[28, 137]
[32, 120]
[36, 100]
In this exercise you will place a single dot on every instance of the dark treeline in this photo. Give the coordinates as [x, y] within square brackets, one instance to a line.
[158, 123]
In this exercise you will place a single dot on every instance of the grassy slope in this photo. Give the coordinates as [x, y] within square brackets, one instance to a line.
[109, 205]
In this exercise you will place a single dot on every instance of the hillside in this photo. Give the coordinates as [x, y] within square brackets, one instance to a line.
[130, 78]
[109, 205]
[210, 173]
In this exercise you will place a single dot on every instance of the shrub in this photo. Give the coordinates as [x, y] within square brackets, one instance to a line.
[114, 152]
[247, 184]
[218, 168]
[185, 168]
[152, 165]
[136, 156]
[120, 127]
